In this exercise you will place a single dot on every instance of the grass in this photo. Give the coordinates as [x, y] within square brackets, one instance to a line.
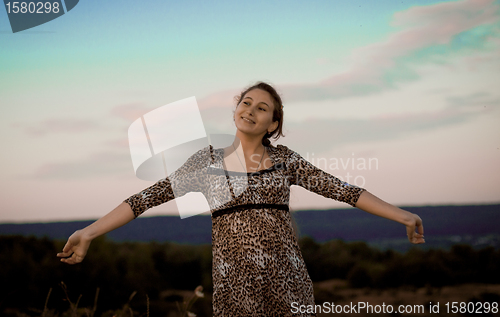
[183, 307]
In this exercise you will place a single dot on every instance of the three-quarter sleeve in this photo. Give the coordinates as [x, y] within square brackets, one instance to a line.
[190, 177]
[154, 195]
[302, 173]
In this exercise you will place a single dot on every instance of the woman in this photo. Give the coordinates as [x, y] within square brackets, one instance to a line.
[257, 268]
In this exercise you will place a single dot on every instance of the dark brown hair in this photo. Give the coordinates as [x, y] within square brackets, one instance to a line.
[277, 113]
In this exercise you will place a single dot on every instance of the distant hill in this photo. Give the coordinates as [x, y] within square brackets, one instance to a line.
[444, 225]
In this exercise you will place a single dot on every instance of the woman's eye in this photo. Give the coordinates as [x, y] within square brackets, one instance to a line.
[262, 109]
[246, 103]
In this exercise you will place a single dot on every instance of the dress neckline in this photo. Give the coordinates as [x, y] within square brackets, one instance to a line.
[269, 151]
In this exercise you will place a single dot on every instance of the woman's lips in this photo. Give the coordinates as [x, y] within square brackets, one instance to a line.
[247, 120]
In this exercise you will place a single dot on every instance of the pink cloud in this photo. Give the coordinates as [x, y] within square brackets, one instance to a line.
[312, 134]
[461, 12]
[489, 58]
[56, 125]
[423, 26]
[420, 27]
[96, 164]
[219, 99]
[431, 25]
[121, 143]
[130, 111]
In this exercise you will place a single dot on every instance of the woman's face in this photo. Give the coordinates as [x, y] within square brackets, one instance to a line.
[254, 113]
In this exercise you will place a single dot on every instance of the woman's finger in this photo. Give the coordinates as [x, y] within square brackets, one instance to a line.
[421, 228]
[411, 231]
[66, 251]
[415, 237]
[78, 258]
[67, 247]
[73, 259]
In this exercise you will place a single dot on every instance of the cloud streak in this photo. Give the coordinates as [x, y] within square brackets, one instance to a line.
[56, 126]
[130, 111]
[381, 66]
[420, 28]
[97, 164]
[314, 134]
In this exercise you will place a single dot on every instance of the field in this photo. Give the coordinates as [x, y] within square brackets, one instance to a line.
[338, 292]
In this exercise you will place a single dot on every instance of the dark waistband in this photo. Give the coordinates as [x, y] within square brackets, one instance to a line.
[232, 209]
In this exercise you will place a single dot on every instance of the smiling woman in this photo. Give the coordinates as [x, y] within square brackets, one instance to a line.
[258, 268]
[267, 101]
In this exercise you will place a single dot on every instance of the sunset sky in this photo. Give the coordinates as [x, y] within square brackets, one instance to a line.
[411, 85]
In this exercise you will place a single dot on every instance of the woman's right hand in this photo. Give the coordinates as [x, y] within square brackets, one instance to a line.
[414, 225]
[75, 249]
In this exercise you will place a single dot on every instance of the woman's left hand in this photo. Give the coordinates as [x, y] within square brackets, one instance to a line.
[415, 230]
[374, 205]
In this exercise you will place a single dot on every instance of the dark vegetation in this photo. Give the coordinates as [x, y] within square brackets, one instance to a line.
[364, 266]
[444, 226]
[30, 268]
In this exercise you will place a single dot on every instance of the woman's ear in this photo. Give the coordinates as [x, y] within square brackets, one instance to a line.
[273, 126]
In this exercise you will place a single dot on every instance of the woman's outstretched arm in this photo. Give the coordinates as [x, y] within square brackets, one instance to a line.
[374, 205]
[187, 178]
[78, 243]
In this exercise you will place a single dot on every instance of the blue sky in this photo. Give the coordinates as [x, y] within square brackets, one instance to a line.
[411, 83]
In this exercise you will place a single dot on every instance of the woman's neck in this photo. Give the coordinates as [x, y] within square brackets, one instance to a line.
[249, 144]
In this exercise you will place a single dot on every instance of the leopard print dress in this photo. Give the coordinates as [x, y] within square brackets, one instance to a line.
[257, 267]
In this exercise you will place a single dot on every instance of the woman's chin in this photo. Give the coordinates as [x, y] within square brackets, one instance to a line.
[245, 127]
[247, 131]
